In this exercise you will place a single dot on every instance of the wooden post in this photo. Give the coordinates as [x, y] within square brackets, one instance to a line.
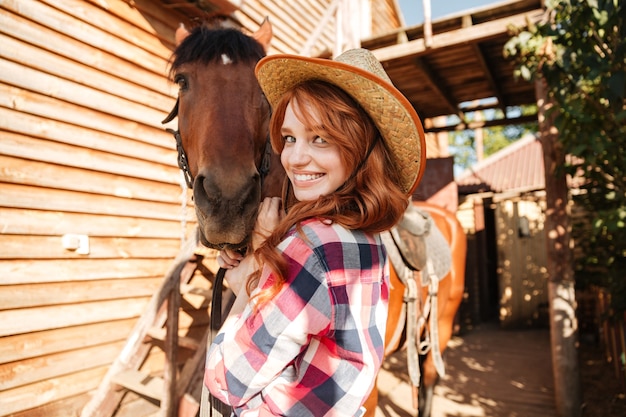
[169, 402]
[563, 323]
[428, 26]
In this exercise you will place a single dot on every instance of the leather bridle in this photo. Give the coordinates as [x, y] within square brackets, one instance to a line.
[183, 162]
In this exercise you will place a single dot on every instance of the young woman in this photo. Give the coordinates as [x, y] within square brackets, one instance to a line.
[305, 336]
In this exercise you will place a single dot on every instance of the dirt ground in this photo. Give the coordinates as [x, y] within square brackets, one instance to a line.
[603, 394]
[499, 373]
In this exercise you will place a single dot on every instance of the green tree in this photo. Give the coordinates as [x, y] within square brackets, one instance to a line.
[576, 57]
[580, 52]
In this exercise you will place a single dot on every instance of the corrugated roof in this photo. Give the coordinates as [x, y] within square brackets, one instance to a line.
[519, 166]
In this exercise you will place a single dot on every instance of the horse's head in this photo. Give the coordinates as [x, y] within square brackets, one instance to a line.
[223, 128]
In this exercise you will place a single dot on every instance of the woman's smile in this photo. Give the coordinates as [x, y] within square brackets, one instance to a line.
[313, 164]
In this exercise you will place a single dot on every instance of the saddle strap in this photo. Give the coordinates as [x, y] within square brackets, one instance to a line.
[405, 274]
[412, 302]
[411, 298]
[433, 290]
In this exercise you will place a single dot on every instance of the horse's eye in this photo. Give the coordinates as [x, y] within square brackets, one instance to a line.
[181, 81]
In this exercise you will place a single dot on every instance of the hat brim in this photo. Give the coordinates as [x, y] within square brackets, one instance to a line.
[395, 118]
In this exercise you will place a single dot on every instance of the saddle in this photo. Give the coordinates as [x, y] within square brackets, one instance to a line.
[418, 241]
[415, 246]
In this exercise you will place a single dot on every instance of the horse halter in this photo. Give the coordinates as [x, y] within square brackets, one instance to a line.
[183, 163]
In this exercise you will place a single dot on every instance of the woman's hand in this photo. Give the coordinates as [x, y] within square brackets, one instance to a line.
[270, 214]
[228, 258]
[239, 267]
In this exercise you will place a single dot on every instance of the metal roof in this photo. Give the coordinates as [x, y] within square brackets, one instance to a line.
[463, 69]
[518, 167]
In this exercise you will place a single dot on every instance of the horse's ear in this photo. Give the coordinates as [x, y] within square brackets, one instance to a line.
[264, 34]
[181, 34]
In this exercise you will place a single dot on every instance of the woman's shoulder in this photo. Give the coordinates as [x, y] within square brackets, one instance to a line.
[320, 232]
[338, 248]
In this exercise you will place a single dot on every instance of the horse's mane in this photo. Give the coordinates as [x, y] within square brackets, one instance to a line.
[206, 44]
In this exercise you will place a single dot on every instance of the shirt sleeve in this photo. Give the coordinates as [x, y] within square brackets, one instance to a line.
[257, 349]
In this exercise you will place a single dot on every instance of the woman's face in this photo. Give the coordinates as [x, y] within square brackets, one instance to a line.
[313, 165]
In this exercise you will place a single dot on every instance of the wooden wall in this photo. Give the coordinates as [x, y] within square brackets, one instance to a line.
[296, 23]
[82, 151]
[523, 277]
[83, 89]
[506, 265]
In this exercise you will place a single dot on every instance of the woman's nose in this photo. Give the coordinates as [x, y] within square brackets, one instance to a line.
[299, 153]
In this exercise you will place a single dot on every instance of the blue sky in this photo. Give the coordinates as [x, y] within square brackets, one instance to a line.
[413, 10]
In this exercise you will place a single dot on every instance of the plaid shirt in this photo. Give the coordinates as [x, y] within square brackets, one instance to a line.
[314, 349]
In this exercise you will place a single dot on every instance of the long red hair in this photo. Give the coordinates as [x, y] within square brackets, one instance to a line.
[371, 199]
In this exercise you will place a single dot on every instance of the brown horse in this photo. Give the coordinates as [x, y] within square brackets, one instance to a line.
[222, 137]
[449, 297]
[224, 154]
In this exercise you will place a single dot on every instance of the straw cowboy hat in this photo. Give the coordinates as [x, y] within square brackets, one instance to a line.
[361, 75]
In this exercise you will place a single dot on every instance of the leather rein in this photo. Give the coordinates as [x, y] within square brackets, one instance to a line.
[183, 162]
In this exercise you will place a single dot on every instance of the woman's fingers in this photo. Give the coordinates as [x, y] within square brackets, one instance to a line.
[228, 259]
[269, 215]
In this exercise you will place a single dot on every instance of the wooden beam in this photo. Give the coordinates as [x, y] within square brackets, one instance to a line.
[437, 84]
[472, 34]
[483, 124]
[480, 56]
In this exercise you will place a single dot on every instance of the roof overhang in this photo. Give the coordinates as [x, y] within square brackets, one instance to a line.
[461, 67]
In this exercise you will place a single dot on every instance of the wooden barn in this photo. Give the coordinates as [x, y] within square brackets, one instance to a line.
[93, 208]
[502, 206]
[94, 212]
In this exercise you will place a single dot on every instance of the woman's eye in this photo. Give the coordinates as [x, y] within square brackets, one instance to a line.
[181, 81]
[319, 139]
[289, 139]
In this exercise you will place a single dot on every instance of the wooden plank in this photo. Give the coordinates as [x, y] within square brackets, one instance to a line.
[30, 79]
[157, 22]
[13, 322]
[83, 32]
[105, 400]
[47, 342]
[41, 60]
[111, 24]
[54, 389]
[288, 23]
[22, 171]
[312, 13]
[51, 247]
[59, 43]
[251, 19]
[169, 401]
[471, 34]
[160, 334]
[132, 405]
[45, 223]
[29, 371]
[17, 196]
[51, 108]
[192, 317]
[71, 270]
[66, 407]
[38, 295]
[143, 384]
[98, 149]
